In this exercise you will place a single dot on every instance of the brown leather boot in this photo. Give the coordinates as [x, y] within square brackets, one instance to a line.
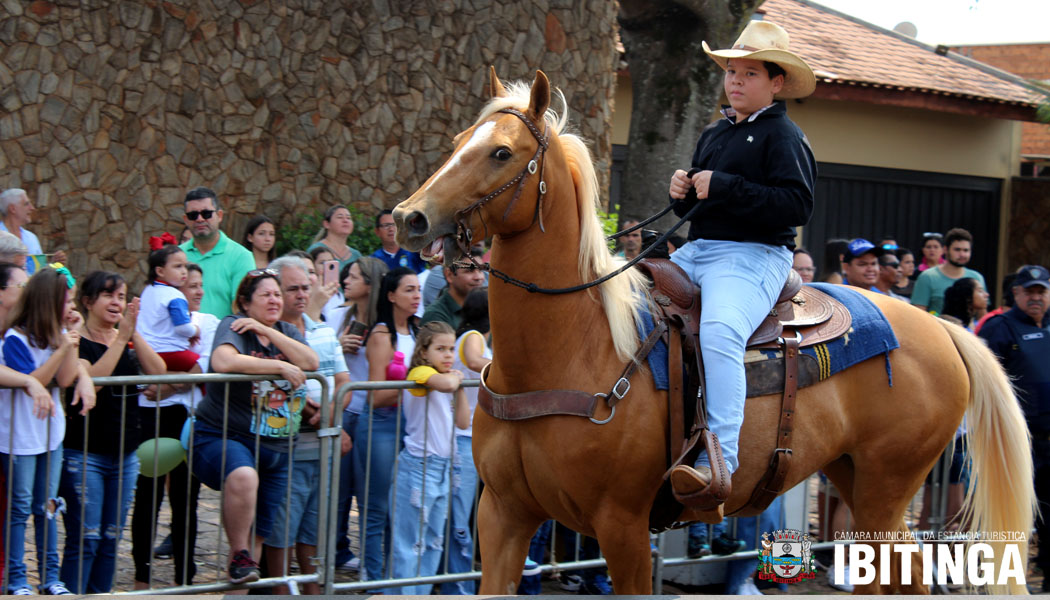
[689, 480]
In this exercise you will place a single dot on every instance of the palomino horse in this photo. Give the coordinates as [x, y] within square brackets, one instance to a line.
[875, 442]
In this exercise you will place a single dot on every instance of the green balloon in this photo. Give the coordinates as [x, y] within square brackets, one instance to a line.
[169, 454]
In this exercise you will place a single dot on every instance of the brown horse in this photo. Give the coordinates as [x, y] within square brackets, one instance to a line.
[875, 442]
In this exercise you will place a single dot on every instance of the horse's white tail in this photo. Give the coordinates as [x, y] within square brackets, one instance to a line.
[1001, 494]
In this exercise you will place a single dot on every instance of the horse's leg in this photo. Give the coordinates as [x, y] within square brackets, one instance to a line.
[879, 501]
[503, 534]
[624, 540]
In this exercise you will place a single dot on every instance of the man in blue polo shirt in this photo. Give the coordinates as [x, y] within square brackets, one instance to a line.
[393, 255]
[224, 261]
[1020, 337]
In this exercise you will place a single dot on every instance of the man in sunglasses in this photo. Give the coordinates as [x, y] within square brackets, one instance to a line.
[889, 270]
[462, 277]
[223, 260]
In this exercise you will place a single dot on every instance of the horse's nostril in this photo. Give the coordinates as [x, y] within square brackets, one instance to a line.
[417, 223]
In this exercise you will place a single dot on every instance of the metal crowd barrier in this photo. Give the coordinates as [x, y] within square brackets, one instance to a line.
[668, 548]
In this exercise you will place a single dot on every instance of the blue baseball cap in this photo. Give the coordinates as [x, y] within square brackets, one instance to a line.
[1030, 275]
[859, 247]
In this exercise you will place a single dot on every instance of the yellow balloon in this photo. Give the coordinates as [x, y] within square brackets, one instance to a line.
[168, 452]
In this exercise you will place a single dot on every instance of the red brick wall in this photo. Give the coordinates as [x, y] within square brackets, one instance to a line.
[1031, 61]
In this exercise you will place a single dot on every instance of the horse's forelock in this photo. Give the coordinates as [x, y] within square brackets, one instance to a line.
[517, 96]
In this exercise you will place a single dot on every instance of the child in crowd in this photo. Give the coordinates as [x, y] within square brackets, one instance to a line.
[472, 354]
[31, 435]
[164, 410]
[260, 237]
[164, 317]
[421, 492]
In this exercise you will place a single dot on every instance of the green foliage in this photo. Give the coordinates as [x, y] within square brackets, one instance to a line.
[1043, 113]
[609, 221]
[299, 235]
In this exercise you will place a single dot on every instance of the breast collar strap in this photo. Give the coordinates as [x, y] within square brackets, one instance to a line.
[462, 217]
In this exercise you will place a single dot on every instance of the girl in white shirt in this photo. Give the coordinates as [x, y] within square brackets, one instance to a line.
[31, 432]
[164, 315]
[421, 491]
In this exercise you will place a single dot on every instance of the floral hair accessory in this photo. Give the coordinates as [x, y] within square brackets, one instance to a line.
[70, 281]
[156, 243]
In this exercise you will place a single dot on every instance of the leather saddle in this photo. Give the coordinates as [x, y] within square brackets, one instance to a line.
[802, 316]
[803, 312]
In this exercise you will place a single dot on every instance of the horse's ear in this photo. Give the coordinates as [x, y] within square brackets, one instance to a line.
[496, 89]
[540, 97]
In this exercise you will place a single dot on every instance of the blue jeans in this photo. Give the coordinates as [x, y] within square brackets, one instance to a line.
[31, 488]
[739, 283]
[346, 493]
[420, 499]
[460, 553]
[374, 455]
[105, 513]
[707, 533]
[739, 571]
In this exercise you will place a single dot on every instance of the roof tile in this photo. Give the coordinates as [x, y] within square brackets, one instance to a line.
[844, 50]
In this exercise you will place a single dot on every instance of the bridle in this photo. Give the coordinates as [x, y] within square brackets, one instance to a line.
[462, 217]
[464, 234]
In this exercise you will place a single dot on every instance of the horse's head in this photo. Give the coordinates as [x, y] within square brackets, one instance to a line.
[492, 183]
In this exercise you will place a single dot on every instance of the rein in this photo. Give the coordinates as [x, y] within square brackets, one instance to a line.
[464, 233]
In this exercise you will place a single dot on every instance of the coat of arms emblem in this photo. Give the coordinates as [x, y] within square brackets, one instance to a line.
[787, 557]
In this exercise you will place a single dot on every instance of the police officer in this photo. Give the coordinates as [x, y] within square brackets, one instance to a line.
[1020, 337]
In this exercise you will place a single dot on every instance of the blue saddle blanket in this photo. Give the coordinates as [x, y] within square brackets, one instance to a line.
[869, 335]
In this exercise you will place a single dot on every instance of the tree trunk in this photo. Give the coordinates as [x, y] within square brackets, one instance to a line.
[675, 89]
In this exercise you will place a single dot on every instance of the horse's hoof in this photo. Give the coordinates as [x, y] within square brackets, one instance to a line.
[687, 481]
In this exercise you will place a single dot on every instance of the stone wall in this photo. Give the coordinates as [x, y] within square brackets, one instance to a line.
[112, 110]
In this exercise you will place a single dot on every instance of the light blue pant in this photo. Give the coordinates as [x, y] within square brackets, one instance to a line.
[31, 488]
[420, 509]
[104, 516]
[739, 283]
[374, 452]
[460, 553]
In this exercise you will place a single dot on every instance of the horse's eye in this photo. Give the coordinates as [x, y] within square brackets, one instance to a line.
[502, 154]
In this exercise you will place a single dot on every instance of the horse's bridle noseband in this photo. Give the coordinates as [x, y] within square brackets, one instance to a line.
[462, 217]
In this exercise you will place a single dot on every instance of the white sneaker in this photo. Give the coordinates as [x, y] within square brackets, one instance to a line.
[23, 591]
[845, 586]
[56, 589]
[530, 568]
[354, 564]
[748, 588]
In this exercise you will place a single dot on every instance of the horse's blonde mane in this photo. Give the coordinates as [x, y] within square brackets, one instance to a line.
[618, 294]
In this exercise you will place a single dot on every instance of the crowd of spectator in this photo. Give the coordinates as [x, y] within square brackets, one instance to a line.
[214, 305]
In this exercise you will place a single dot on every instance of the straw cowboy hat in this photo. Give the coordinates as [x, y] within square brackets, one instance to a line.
[765, 41]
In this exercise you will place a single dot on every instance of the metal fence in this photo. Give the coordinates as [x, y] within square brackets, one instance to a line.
[807, 507]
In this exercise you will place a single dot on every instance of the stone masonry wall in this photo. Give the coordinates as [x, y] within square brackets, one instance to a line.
[110, 111]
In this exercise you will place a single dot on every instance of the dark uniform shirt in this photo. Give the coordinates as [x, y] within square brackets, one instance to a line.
[1023, 347]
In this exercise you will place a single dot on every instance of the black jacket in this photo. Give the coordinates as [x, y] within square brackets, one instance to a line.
[762, 186]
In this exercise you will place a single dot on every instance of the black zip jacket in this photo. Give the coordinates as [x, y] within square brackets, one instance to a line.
[762, 185]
